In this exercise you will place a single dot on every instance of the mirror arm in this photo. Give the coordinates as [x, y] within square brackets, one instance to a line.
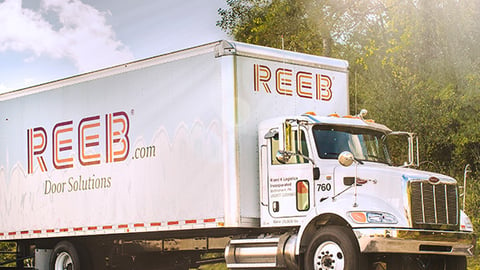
[341, 192]
[289, 154]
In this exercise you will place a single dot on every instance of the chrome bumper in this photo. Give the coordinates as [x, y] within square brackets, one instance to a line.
[394, 240]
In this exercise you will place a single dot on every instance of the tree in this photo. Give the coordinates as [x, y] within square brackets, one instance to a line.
[278, 24]
[312, 26]
[421, 65]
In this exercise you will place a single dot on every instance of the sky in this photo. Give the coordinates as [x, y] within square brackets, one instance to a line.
[45, 40]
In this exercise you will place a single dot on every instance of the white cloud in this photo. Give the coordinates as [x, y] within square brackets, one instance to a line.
[81, 36]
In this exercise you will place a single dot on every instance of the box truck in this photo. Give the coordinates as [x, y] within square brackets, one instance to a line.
[226, 147]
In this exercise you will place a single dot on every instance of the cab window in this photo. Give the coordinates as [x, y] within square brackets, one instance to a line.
[295, 159]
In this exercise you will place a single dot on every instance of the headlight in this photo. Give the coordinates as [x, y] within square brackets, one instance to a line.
[364, 217]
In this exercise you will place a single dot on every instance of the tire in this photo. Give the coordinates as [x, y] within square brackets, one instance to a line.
[66, 256]
[334, 248]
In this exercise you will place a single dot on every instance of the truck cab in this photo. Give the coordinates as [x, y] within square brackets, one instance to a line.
[319, 172]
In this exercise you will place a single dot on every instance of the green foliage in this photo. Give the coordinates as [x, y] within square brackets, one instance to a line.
[7, 247]
[279, 24]
[421, 68]
[310, 26]
[218, 266]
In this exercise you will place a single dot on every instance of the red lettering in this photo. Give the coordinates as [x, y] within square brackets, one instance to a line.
[261, 76]
[89, 138]
[304, 84]
[36, 145]
[324, 87]
[117, 137]
[62, 143]
[284, 81]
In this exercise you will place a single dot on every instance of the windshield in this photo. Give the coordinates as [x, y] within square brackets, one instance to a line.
[364, 144]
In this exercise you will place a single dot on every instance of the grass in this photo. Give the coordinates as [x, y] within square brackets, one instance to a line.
[217, 266]
[474, 263]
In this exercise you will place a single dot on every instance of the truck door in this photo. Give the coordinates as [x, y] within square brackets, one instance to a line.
[290, 184]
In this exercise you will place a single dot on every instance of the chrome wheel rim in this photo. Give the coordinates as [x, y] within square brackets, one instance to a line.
[329, 256]
[64, 261]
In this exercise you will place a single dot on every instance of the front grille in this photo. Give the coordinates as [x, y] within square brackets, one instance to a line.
[434, 205]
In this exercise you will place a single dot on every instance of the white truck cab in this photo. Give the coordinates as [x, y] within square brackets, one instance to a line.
[336, 173]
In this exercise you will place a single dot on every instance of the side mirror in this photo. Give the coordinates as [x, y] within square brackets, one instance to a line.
[396, 144]
[346, 159]
[270, 134]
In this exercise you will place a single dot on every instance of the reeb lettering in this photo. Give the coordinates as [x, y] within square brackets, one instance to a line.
[286, 82]
[89, 134]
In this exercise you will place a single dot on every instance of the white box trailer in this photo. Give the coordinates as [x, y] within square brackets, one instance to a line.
[157, 161]
[162, 144]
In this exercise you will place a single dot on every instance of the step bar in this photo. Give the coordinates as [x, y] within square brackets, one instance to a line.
[273, 252]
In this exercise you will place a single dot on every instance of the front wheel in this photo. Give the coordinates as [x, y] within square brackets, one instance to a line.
[334, 248]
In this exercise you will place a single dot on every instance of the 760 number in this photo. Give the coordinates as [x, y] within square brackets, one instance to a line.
[324, 187]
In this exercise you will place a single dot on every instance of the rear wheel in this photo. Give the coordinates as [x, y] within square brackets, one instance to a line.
[66, 256]
[334, 248]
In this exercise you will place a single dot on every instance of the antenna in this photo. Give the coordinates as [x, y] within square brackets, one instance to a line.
[355, 94]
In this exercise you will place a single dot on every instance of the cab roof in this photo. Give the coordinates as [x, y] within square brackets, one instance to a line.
[354, 121]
